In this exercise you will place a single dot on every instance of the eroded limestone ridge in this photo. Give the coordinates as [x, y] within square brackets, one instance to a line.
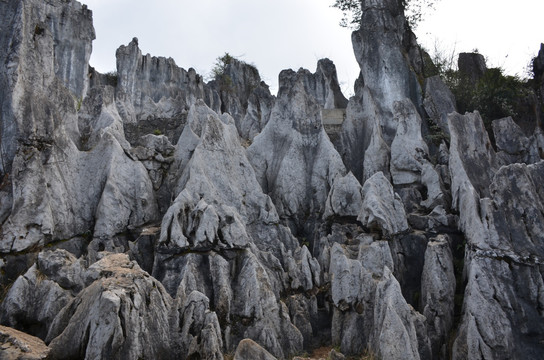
[153, 215]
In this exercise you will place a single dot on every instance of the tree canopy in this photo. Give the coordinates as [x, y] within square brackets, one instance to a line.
[352, 11]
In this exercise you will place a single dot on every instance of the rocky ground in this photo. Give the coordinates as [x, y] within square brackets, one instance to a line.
[156, 216]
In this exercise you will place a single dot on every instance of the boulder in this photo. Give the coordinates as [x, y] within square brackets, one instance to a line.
[382, 208]
[438, 102]
[345, 197]
[197, 329]
[248, 349]
[123, 314]
[37, 296]
[15, 345]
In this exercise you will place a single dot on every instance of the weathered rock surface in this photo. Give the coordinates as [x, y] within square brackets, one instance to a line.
[323, 85]
[472, 66]
[438, 294]
[382, 209]
[35, 298]
[294, 160]
[53, 195]
[248, 349]
[147, 214]
[512, 144]
[123, 314]
[15, 345]
[503, 247]
[44, 64]
[155, 87]
[365, 292]
[222, 218]
[438, 102]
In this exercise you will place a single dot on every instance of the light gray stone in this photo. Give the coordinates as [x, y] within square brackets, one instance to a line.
[438, 293]
[294, 160]
[123, 314]
[345, 197]
[44, 70]
[199, 332]
[438, 102]
[155, 87]
[382, 208]
[408, 150]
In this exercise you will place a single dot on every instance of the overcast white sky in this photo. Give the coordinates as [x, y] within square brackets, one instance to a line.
[281, 34]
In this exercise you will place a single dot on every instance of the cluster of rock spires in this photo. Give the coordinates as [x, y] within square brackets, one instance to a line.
[157, 216]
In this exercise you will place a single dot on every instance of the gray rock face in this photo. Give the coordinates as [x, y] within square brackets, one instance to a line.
[36, 298]
[323, 85]
[248, 349]
[472, 66]
[259, 108]
[383, 46]
[260, 233]
[199, 332]
[365, 292]
[244, 96]
[438, 102]
[362, 144]
[437, 293]
[53, 194]
[512, 144]
[122, 314]
[294, 160]
[155, 87]
[382, 208]
[43, 64]
[408, 150]
[220, 218]
[504, 246]
[345, 197]
[380, 41]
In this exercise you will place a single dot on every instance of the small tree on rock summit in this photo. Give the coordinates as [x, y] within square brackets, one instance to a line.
[352, 11]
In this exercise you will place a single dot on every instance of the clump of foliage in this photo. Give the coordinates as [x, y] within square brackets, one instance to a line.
[221, 64]
[352, 11]
[495, 95]
[219, 72]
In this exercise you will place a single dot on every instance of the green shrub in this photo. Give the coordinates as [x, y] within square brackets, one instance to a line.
[495, 95]
[219, 72]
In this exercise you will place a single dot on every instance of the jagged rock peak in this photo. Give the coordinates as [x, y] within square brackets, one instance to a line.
[381, 40]
[151, 87]
[294, 159]
[323, 85]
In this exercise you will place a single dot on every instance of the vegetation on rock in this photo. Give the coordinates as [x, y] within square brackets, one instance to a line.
[352, 11]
